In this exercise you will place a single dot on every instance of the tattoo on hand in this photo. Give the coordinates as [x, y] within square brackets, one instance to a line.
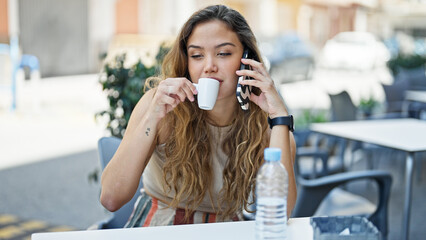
[147, 131]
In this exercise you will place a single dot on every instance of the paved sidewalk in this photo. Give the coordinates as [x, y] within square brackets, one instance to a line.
[56, 191]
[48, 149]
[54, 118]
[13, 228]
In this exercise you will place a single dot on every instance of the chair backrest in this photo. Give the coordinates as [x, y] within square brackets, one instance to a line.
[342, 107]
[416, 77]
[395, 95]
[312, 192]
[301, 137]
[107, 146]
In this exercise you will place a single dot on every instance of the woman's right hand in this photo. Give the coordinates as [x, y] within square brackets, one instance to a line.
[170, 92]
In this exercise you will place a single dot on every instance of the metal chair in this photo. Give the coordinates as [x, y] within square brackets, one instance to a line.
[394, 95]
[342, 107]
[316, 157]
[107, 146]
[311, 192]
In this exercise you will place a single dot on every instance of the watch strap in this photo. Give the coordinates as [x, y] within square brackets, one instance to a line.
[285, 120]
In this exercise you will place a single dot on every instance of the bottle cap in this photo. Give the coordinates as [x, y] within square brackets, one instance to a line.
[272, 154]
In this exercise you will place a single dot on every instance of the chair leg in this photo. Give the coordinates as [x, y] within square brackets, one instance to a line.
[352, 160]
[419, 158]
[369, 158]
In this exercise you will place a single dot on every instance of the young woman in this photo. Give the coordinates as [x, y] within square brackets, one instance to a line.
[200, 166]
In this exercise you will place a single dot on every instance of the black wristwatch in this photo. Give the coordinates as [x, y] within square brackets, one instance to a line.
[287, 120]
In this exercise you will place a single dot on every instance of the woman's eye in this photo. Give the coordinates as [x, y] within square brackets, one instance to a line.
[224, 54]
[196, 56]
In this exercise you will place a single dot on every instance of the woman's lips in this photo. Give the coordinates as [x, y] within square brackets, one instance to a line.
[220, 80]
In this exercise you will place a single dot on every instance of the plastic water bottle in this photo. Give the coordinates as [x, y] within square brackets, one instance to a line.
[271, 195]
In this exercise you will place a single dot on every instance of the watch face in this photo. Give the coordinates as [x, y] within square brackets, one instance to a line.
[287, 120]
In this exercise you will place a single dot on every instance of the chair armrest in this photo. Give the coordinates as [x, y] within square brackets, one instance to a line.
[335, 180]
[312, 192]
[103, 224]
[311, 152]
[314, 153]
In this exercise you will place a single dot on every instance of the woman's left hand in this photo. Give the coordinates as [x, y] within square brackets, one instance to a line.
[269, 100]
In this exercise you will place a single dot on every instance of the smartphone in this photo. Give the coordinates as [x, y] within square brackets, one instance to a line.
[244, 91]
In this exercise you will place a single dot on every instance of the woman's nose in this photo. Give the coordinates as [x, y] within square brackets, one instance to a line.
[210, 65]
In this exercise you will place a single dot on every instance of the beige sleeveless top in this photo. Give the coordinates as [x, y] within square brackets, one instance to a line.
[153, 175]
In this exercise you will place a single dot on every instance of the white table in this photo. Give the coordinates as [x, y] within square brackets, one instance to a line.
[298, 228]
[408, 135]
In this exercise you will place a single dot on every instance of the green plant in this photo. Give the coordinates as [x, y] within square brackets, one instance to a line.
[124, 87]
[405, 61]
[308, 116]
[367, 105]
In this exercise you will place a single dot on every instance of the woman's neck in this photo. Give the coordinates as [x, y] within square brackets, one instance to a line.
[222, 114]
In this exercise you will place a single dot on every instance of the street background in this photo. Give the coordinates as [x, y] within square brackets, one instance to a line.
[48, 136]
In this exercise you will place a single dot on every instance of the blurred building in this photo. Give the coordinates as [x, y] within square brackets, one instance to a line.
[4, 28]
[320, 20]
[408, 16]
[70, 37]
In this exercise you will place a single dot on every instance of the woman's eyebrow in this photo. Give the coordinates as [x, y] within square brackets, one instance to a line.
[194, 46]
[225, 44]
[217, 46]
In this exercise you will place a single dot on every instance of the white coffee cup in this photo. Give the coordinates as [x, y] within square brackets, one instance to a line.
[207, 89]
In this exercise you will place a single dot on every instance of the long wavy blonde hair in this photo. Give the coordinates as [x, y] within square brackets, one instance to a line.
[187, 169]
